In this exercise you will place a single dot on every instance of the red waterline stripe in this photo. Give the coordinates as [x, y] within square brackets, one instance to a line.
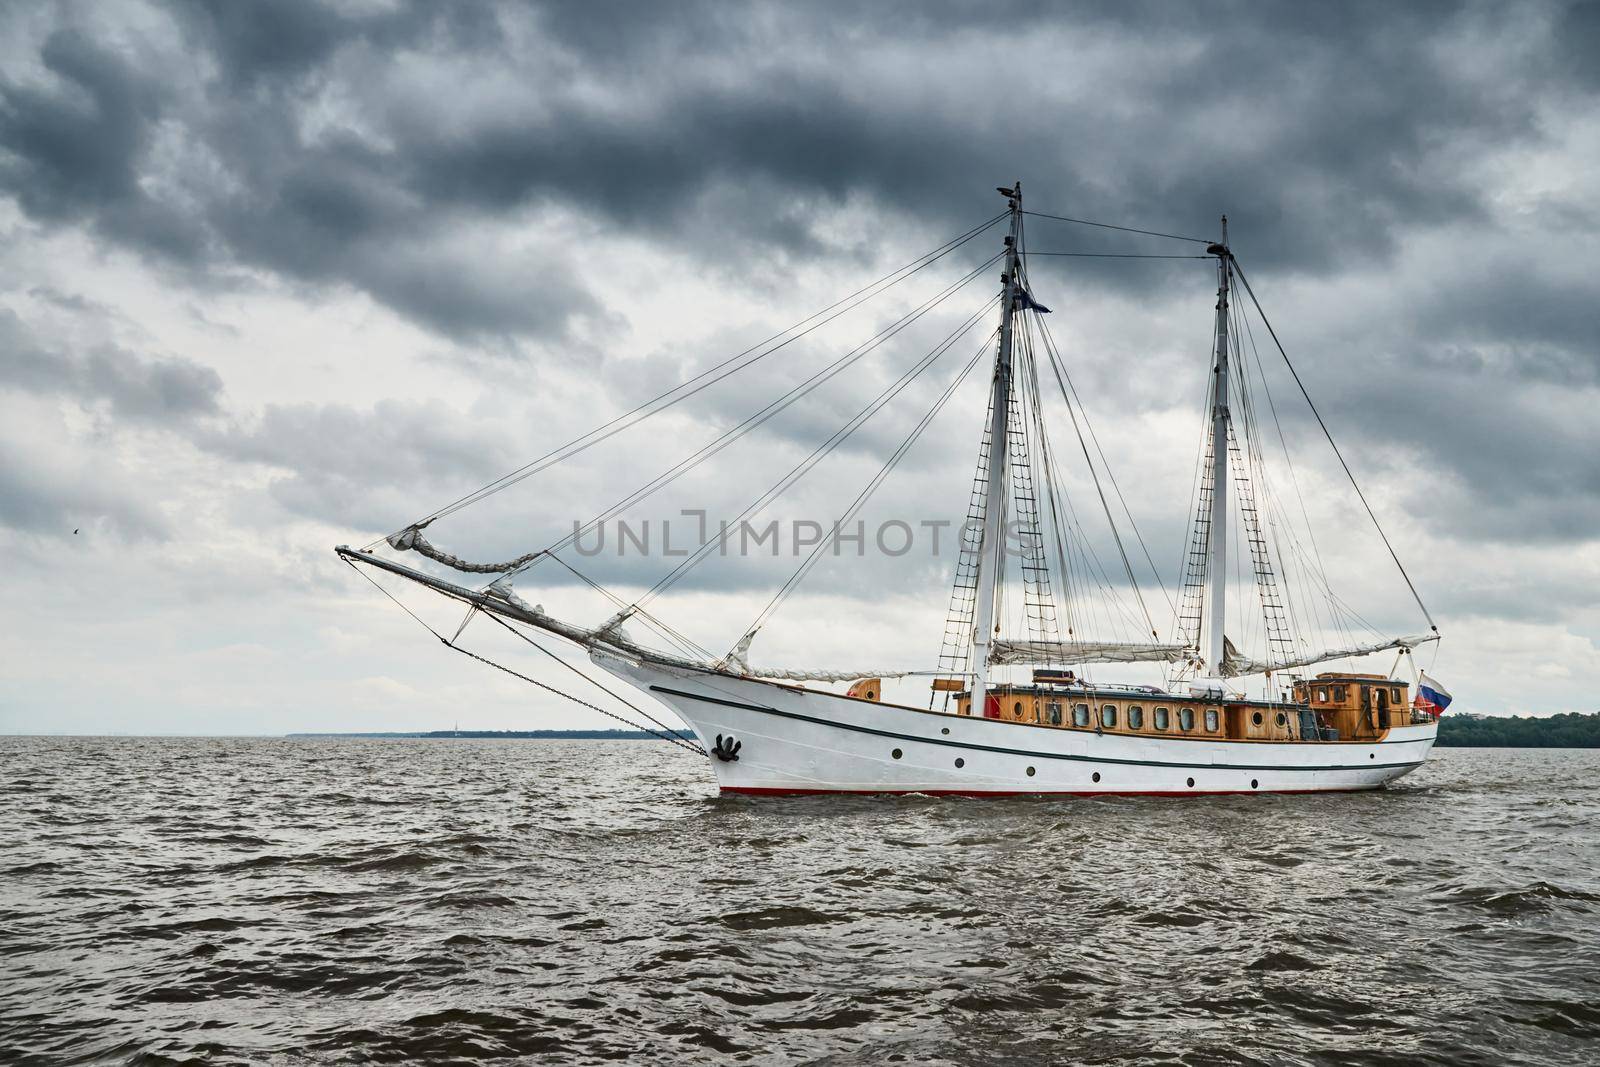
[779, 791]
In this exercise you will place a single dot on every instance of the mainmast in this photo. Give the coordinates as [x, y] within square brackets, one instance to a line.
[1217, 476]
[991, 553]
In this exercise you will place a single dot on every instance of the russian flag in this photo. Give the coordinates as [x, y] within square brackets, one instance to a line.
[1432, 697]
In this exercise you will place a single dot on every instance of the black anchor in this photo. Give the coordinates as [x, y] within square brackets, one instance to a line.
[727, 750]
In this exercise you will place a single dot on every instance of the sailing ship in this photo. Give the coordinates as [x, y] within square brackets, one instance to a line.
[1024, 712]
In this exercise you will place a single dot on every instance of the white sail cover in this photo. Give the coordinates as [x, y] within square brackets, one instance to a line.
[1009, 652]
[1235, 664]
[411, 539]
[737, 659]
[818, 675]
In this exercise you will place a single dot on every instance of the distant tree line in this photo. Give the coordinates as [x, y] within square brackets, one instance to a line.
[1570, 730]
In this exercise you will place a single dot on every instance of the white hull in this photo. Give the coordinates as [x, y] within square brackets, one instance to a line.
[804, 741]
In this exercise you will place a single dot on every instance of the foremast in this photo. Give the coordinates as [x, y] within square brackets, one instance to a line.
[1214, 645]
[991, 552]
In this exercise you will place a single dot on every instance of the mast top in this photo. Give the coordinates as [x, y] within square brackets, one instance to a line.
[1220, 248]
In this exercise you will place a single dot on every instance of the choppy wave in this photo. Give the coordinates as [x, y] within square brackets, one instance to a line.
[321, 901]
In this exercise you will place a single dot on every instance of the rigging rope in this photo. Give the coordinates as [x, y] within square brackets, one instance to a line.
[1334, 445]
[1114, 255]
[823, 450]
[601, 433]
[774, 407]
[1058, 364]
[667, 736]
[625, 702]
[684, 644]
[866, 494]
[1127, 565]
[1124, 229]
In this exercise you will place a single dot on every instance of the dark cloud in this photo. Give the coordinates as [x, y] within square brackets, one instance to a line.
[136, 389]
[467, 165]
[76, 149]
[1322, 132]
[364, 469]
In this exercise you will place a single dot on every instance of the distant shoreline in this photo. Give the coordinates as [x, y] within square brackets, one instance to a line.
[1568, 730]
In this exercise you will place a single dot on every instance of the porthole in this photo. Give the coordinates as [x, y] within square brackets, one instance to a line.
[1191, 783]
[944, 730]
[1255, 718]
[960, 762]
[1186, 718]
[1283, 720]
[1254, 784]
[871, 695]
[1096, 776]
[1372, 755]
[1016, 709]
[1030, 772]
[1163, 719]
[897, 753]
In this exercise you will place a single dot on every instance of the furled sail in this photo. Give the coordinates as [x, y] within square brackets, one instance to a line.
[1235, 663]
[737, 659]
[1007, 652]
[411, 539]
[819, 675]
[501, 599]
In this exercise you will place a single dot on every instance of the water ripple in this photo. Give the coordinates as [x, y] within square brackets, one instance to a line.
[349, 902]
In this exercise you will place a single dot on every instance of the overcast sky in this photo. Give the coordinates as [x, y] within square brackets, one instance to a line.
[281, 276]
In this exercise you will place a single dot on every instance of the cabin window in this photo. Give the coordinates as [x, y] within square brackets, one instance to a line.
[1186, 718]
[1055, 713]
[1016, 709]
[1283, 720]
[1080, 715]
[1108, 716]
[1394, 695]
[1338, 694]
[1136, 718]
[1163, 719]
[1255, 718]
[1322, 696]
[1211, 720]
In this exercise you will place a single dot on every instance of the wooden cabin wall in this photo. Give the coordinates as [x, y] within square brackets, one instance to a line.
[1350, 703]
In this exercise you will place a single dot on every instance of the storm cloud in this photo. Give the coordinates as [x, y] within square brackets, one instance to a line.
[317, 267]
